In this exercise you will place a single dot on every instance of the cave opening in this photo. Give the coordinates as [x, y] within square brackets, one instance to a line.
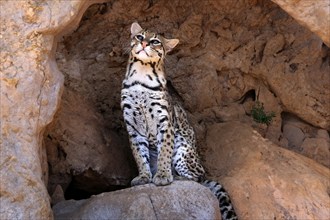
[88, 183]
[87, 145]
[248, 96]
[87, 135]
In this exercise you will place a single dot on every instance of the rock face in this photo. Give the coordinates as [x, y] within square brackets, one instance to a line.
[265, 181]
[231, 54]
[180, 200]
[31, 86]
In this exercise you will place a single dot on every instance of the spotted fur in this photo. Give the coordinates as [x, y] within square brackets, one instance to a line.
[161, 139]
[187, 164]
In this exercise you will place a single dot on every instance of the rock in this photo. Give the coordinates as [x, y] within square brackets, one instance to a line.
[31, 86]
[274, 45]
[315, 15]
[305, 139]
[180, 200]
[265, 181]
[58, 195]
[318, 149]
[294, 135]
[321, 133]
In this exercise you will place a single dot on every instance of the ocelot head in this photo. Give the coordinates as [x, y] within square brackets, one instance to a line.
[148, 46]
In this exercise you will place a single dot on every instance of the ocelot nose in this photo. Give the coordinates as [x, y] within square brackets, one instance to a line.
[144, 44]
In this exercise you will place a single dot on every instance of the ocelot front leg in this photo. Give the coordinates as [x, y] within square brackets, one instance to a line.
[139, 146]
[165, 144]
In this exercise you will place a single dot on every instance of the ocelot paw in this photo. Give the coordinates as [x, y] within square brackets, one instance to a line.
[162, 178]
[141, 179]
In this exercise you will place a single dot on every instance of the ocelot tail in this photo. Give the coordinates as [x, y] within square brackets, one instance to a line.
[161, 139]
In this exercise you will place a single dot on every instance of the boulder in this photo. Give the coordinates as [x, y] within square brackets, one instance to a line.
[180, 200]
[301, 137]
[264, 180]
[294, 135]
[315, 15]
[31, 85]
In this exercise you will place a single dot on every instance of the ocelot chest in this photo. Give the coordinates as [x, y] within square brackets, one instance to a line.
[145, 110]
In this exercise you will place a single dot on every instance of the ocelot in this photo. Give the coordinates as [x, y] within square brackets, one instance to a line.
[161, 139]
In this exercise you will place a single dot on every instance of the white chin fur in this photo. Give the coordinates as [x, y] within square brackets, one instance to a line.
[146, 56]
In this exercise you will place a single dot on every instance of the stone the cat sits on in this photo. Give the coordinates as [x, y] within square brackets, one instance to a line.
[162, 141]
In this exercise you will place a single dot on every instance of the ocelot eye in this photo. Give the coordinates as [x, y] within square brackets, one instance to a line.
[139, 37]
[155, 42]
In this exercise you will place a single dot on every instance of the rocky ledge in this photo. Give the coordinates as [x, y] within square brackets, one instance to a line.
[180, 200]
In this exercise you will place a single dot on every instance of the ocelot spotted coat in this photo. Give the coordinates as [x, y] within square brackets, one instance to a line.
[161, 139]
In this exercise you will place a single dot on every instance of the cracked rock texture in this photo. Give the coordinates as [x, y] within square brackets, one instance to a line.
[231, 53]
[180, 200]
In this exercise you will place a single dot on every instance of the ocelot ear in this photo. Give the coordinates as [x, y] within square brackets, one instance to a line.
[135, 29]
[170, 44]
